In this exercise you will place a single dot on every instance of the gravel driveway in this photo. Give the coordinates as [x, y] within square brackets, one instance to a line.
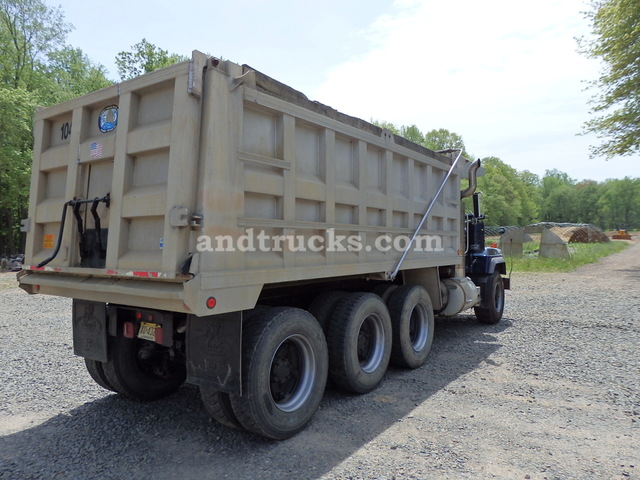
[552, 392]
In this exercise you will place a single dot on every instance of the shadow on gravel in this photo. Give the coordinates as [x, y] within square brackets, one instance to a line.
[174, 439]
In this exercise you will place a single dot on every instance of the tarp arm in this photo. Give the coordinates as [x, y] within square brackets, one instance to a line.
[392, 275]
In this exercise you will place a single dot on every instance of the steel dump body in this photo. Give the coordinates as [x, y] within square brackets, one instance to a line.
[222, 181]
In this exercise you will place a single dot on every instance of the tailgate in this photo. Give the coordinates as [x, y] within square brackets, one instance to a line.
[114, 178]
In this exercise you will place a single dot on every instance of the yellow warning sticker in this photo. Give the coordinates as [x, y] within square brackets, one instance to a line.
[48, 240]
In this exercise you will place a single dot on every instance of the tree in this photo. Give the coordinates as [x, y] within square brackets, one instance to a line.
[70, 73]
[443, 139]
[412, 133]
[29, 31]
[36, 68]
[386, 125]
[144, 58]
[620, 203]
[528, 185]
[503, 194]
[16, 112]
[616, 28]
[587, 194]
[440, 139]
[558, 201]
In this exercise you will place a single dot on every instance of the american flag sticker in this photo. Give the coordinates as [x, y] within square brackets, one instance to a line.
[96, 150]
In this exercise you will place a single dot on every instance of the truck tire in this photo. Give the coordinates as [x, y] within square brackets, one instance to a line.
[284, 373]
[359, 341]
[139, 378]
[384, 291]
[97, 373]
[323, 306]
[412, 325]
[218, 406]
[492, 306]
[218, 403]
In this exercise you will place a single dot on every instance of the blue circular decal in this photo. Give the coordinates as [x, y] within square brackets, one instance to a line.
[108, 119]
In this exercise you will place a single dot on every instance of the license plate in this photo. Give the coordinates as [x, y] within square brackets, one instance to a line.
[148, 331]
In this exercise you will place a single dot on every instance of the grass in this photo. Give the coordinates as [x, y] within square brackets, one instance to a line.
[582, 254]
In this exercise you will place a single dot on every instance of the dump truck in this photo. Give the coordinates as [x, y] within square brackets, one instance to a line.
[214, 226]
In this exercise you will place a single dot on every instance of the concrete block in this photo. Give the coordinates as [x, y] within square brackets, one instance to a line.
[511, 242]
[552, 246]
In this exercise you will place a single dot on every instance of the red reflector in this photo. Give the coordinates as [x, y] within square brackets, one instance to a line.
[138, 316]
[150, 318]
[159, 335]
[211, 302]
[128, 330]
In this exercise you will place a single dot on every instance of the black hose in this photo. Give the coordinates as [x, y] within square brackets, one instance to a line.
[59, 243]
[76, 207]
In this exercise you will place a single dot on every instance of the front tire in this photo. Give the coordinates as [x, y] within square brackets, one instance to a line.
[284, 373]
[492, 307]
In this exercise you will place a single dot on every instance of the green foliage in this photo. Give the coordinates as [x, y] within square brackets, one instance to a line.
[29, 31]
[436, 140]
[558, 203]
[501, 199]
[36, 68]
[386, 125]
[619, 204]
[611, 205]
[511, 197]
[587, 253]
[616, 42]
[412, 133]
[16, 107]
[443, 139]
[70, 73]
[586, 196]
[144, 57]
[528, 186]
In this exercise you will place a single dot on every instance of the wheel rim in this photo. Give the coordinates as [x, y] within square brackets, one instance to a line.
[370, 346]
[419, 327]
[292, 373]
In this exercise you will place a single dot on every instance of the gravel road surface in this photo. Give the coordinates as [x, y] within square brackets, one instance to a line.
[552, 392]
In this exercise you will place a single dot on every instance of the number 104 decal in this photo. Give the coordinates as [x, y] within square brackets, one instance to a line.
[65, 131]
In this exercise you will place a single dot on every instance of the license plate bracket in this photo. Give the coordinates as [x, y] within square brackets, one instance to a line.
[147, 331]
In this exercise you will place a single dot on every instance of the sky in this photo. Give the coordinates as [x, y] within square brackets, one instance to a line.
[505, 75]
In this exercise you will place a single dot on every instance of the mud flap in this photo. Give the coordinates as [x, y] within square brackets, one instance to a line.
[482, 283]
[90, 330]
[214, 351]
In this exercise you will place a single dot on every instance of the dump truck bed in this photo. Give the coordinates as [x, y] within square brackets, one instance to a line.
[208, 179]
